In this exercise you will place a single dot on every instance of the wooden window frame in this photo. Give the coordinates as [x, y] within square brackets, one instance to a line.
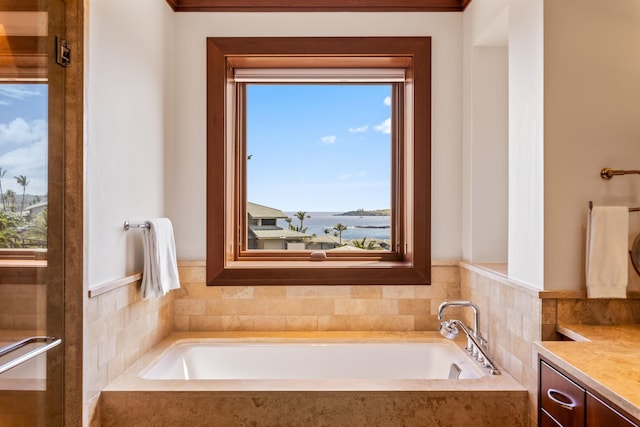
[318, 5]
[410, 261]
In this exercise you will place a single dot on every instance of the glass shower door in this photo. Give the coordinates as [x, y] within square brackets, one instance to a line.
[31, 268]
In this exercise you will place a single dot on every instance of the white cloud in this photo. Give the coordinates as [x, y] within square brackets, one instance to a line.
[351, 175]
[359, 129]
[18, 131]
[384, 127]
[18, 92]
[387, 100]
[24, 152]
[30, 161]
[4, 102]
[330, 139]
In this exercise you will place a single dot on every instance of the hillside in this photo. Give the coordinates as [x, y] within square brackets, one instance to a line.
[362, 212]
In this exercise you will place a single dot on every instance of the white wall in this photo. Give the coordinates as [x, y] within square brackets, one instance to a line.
[129, 120]
[518, 24]
[526, 141]
[489, 152]
[186, 180]
[574, 94]
[485, 136]
[592, 105]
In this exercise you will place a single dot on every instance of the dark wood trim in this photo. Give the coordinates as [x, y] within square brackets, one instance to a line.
[23, 57]
[22, 5]
[73, 212]
[318, 5]
[411, 261]
[464, 4]
[173, 4]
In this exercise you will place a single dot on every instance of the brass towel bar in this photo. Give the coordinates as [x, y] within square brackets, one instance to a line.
[608, 173]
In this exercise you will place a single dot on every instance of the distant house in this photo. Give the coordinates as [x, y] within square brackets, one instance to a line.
[264, 233]
[324, 242]
[32, 211]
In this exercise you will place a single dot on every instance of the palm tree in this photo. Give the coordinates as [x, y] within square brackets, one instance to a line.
[361, 243]
[301, 215]
[23, 181]
[339, 229]
[2, 172]
[10, 196]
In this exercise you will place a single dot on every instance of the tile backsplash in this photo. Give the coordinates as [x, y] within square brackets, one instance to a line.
[311, 308]
[119, 328]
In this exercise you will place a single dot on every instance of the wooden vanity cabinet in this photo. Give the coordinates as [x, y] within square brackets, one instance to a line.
[564, 402]
[602, 414]
[560, 398]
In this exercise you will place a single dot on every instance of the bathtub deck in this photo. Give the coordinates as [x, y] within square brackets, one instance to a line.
[487, 401]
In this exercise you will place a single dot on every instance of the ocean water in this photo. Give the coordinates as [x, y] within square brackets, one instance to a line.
[355, 225]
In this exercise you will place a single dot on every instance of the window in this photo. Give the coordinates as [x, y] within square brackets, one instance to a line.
[249, 243]
[24, 93]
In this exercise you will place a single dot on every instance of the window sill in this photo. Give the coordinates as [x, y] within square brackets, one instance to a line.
[22, 271]
[361, 272]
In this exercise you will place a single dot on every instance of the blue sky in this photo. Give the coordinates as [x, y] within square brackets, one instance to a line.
[319, 147]
[23, 136]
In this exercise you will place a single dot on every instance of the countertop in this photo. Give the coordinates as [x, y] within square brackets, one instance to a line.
[604, 358]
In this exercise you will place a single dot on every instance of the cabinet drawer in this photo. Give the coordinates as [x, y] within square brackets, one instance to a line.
[601, 414]
[561, 398]
[546, 420]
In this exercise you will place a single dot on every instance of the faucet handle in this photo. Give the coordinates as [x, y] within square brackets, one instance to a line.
[482, 341]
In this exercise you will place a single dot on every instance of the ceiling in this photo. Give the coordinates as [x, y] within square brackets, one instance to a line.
[318, 5]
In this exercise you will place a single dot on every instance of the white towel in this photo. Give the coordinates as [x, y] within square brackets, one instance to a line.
[160, 273]
[607, 243]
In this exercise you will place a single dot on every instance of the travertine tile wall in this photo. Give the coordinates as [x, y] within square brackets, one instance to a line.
[119, 328]
[510, 316]
[595, 311]
[309, 308]
[23, 307]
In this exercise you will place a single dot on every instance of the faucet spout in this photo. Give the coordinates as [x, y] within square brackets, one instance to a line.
[476, 313]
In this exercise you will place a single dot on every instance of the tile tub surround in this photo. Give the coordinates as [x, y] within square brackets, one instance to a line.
[510, 318]
[311, 308]
[489, 401]
[120, 328]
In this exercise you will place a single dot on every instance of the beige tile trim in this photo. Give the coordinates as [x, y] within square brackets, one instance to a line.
[500, 277]
[118, 283]
[114, 284]
[103, 288]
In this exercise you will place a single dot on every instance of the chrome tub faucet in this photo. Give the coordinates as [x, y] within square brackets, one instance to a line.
[476, 344]
[476, 322]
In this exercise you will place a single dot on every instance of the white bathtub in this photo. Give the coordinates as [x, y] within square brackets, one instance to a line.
[198, 360]
[281, 379]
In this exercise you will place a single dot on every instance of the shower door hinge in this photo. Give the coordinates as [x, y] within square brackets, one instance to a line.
[63, 53]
